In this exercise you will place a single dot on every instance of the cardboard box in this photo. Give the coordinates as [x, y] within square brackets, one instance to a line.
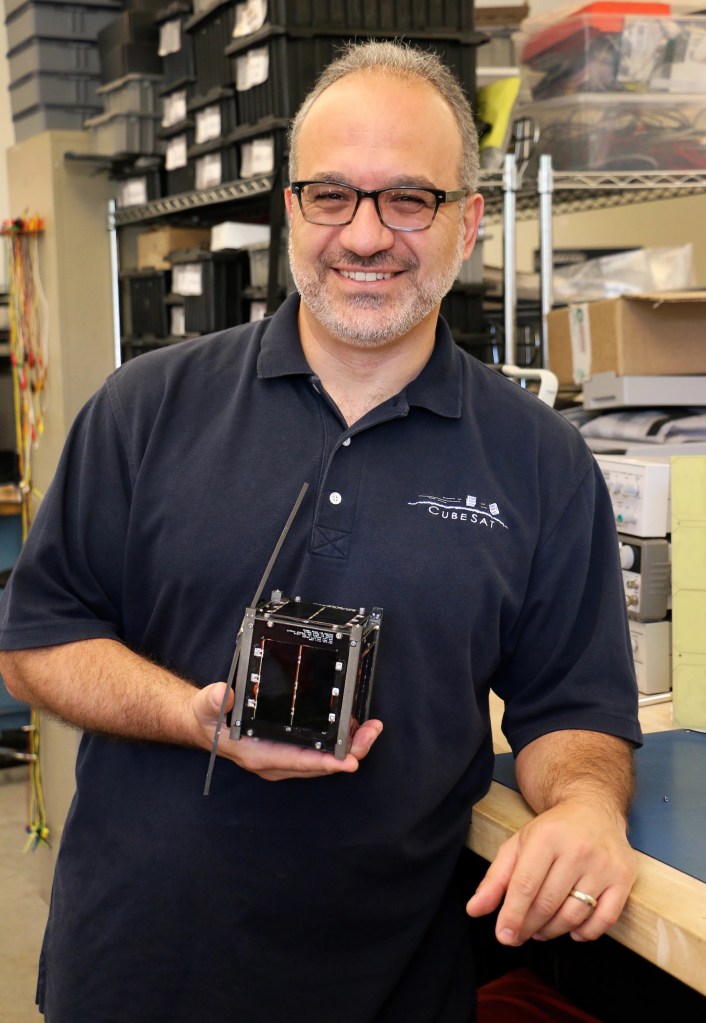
[660, 334]
[154, 246]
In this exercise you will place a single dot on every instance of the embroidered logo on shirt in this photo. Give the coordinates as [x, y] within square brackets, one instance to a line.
[460, 509]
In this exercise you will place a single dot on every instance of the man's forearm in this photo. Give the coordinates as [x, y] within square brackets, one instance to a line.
[588, 766]
[102, 686]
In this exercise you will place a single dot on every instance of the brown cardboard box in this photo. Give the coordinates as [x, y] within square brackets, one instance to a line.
[637, 335]
[153, 246]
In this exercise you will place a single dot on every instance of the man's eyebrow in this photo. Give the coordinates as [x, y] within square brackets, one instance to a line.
[413, 180]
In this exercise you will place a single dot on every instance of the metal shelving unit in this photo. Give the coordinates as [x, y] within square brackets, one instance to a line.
[518, 194]
[187, 202]
[202, 205]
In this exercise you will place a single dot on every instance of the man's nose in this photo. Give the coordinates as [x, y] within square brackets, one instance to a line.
[366, 233]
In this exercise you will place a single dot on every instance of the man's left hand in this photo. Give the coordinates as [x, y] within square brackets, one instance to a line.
[574, 846]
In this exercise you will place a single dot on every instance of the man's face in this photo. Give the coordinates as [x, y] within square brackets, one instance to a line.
[372, 131]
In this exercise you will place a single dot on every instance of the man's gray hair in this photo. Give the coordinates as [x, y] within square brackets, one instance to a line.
[398, 60]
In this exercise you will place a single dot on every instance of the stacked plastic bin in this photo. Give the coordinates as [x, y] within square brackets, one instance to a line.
[255, 61]
[176, 51]
[54, 63]
[617, 87]
[131, 72]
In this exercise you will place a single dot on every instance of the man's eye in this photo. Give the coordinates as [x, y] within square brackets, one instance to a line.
[329, 196]
[409, 200]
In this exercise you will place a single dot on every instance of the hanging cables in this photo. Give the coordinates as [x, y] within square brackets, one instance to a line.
[29, 322]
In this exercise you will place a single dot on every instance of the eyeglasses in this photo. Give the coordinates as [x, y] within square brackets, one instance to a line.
[331, 204]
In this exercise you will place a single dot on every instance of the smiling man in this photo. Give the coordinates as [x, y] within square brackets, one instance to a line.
[332, 895]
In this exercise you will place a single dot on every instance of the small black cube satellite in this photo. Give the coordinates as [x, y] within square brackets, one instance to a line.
[305, 673]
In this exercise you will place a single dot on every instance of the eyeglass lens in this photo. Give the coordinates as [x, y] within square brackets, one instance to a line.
[402, 208]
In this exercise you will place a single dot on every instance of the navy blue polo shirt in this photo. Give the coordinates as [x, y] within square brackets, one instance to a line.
[469, 511]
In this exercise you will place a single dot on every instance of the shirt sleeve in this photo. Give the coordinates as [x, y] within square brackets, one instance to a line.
[67, 583]
[568, 659]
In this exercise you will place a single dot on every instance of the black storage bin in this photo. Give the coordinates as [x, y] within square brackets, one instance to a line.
[214, 163]
[212, 31]
[293, 64]
[140, 184]
[291, 61]
[147, 291]
[129, 45]
[396, 16]
[223, 278]
[462, 308]
[176, 46]
[178, 169]
[262, 149]
[214, 114]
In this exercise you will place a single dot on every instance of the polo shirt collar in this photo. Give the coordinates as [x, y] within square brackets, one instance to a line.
[437, 388]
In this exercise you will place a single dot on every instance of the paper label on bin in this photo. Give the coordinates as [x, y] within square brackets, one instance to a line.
[258, 157]
[187, 279]
[580, 334]
[169, 37]
[173, 108]
[209, 171]
[175, 155]
[208, 124]
[258, 311]
[133, 192]
[249, 17]
[253, 68]
[178, 321]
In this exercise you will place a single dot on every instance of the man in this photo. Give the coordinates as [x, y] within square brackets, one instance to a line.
[439, 491]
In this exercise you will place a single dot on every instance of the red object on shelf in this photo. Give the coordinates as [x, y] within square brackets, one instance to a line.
[593, 19]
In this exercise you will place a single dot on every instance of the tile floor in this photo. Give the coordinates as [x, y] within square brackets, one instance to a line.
[23, 912]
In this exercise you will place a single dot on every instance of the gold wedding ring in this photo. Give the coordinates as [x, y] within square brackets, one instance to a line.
[582, 897]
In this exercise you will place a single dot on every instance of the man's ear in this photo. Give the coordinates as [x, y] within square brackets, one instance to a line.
[288, 198]
[472, 215]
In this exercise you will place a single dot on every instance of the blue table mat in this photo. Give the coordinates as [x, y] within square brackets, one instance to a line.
[668, 816]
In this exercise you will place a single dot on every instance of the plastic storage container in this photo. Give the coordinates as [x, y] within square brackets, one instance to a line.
[50, 118]
[139, 185]
[615, 47]
[56, 21]
[397, 16]
[261, 151]
[211, 32]
[273, 70]
[259, 260]
[211, 284]
[124, 134]
[215, 163]
[610, 132]
[146, 293]
[133, 94]
[179, 170]
[55, 90]
[176, 47]
[53, 56]
[129, 44]
[214, 114]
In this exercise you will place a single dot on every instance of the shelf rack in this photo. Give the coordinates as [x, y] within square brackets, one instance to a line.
[170, 205]
[516, 194]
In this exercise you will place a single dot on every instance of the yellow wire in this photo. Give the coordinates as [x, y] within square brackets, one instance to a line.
[28, 353]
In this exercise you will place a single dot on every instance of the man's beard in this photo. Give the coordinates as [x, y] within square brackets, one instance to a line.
[370, 320]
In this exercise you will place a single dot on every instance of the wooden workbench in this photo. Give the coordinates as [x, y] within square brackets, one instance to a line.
[664, 920]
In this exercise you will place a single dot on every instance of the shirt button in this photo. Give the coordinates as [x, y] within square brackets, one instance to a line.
[346, 442]
[334, 497]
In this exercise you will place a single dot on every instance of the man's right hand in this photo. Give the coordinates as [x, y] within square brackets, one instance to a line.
[274, 761]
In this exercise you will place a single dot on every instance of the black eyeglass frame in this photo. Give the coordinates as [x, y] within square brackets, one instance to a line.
[440, 197]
